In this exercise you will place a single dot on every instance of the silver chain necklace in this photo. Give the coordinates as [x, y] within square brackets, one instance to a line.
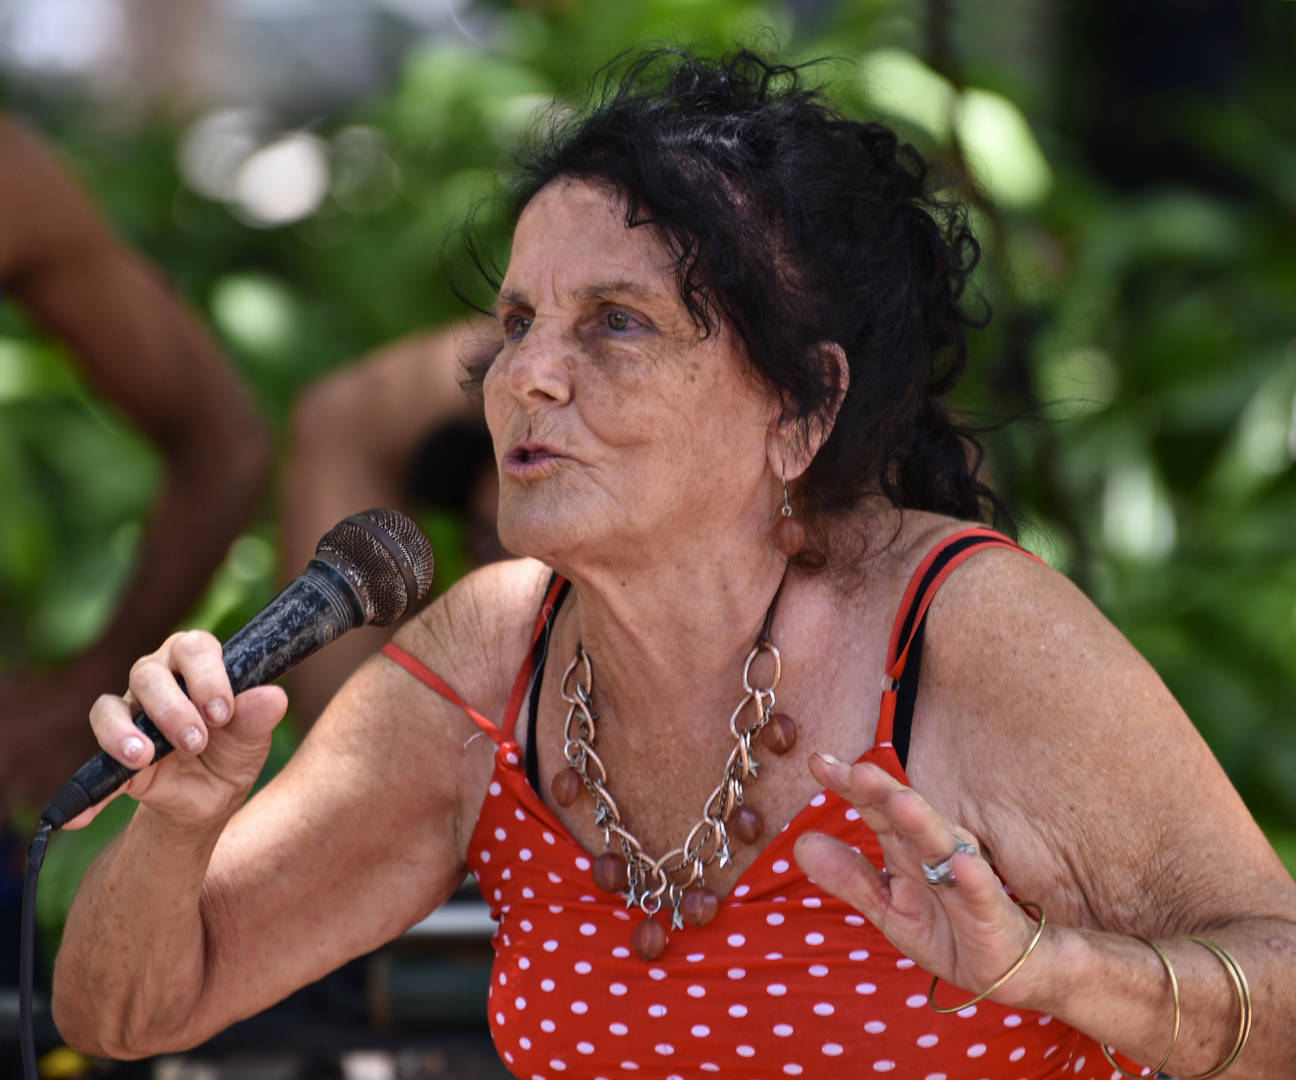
[676, 878]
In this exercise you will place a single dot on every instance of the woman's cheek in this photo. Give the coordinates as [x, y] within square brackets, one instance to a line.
[495, 401]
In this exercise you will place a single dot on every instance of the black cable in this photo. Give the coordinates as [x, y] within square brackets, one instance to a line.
[27, 963]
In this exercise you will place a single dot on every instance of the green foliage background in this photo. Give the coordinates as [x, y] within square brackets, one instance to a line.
[1145, 340]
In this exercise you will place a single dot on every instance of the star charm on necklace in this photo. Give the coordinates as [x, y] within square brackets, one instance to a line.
[725, 857]
[677, 922]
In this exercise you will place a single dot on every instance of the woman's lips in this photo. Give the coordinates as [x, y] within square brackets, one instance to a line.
[528, 460]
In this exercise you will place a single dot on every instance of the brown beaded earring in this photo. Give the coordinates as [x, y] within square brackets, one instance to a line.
[788, 534]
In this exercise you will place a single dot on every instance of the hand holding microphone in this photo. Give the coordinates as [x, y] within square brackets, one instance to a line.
[370, 568]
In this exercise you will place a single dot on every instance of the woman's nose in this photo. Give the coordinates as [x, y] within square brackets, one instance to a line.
[539, 367]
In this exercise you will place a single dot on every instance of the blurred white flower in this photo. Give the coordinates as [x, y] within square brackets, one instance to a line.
[283, 181]
[1138, 520]
[215, 147]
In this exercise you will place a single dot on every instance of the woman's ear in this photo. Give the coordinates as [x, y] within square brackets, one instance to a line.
[792, 446]
[832, 358]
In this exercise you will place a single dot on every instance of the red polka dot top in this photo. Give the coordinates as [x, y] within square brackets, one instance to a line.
[785, 981]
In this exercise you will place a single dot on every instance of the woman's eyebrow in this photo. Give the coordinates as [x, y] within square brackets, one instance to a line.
[510, 298]
[622, 288]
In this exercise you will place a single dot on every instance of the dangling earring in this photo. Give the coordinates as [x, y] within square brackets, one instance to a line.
[789, 537]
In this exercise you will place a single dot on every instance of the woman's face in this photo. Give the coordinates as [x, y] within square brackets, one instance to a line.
[620, 431]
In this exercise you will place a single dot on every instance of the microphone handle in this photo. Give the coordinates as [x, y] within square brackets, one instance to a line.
[316, 608]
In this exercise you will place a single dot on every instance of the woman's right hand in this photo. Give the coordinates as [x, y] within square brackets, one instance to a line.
[221, 741]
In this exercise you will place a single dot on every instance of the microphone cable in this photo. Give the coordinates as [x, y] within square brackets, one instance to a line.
[27, 959]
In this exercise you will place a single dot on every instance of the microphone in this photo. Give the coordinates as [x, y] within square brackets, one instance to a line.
[369, 568]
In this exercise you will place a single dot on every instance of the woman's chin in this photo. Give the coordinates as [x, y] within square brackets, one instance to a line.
[537, 532]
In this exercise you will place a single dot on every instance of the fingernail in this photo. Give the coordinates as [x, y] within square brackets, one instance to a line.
[191, 738]
[132, 748]
[828, 759]
[218, 710]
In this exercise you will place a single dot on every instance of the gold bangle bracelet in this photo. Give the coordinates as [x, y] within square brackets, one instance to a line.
[1039, 931]
[1178, 1009]
[1243, 989]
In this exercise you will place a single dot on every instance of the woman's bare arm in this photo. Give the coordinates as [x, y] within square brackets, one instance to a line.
[198, 916]
[147, 354]
[1042, 733]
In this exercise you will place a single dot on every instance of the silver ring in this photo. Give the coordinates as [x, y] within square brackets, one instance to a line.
[943, 872]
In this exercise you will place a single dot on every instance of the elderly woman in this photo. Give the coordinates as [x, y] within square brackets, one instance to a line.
[683, 743]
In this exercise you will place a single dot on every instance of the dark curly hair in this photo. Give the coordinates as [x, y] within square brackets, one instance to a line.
[799, 226]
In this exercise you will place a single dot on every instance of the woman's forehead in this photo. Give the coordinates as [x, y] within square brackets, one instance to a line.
[572, 244]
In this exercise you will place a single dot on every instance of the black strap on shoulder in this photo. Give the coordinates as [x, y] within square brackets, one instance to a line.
[907, 690]
[539, 654]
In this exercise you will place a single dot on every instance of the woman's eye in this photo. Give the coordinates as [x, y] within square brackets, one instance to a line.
[516, 326]
[619, 321]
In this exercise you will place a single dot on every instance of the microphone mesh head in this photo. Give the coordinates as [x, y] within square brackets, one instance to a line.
[389, 561]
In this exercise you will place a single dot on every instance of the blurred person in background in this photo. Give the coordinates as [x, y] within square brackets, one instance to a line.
[141, 347]
[394, 429]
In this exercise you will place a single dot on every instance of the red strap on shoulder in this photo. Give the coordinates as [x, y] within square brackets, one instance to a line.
[426, 675]
[897, 651]
[431, 679]
[911, 590]
[524, 675]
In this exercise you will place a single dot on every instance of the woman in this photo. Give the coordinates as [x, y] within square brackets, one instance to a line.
[725, 330]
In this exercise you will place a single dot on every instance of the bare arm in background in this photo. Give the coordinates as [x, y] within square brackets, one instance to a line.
[353, 437]
[144, 351]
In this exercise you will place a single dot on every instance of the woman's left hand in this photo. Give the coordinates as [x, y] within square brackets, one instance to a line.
[969, 933]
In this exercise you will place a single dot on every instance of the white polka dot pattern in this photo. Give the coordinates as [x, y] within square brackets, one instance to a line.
[785, 981]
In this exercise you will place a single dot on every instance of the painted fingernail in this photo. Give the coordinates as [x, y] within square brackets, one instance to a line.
[218, 710]
[132, 748]
[191, 738]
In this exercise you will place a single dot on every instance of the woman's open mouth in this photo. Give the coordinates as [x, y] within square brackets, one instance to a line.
[527, 460]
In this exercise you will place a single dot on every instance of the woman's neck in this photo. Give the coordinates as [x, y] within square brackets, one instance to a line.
[667, 637]
[671, 638]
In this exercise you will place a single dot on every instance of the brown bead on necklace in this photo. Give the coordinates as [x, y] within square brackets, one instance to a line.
[676, 878]
[649, 939]
[699, 906]
[779, 735]
[610, 873]
[565, 787]
[746, 825]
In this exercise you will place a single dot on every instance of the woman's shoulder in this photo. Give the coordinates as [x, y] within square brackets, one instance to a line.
[1001, 608]
[478, 633]
[894, 546]
[899, 545]
[1027, 687]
